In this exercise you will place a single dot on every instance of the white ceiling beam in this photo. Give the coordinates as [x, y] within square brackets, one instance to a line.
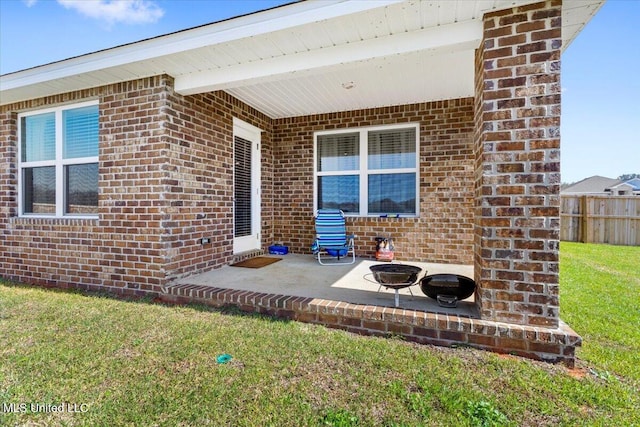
[446, 38]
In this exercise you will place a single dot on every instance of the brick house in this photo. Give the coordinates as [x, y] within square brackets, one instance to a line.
[117, 163]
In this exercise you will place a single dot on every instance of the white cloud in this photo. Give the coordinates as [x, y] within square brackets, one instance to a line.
[29, 3]
[116, 11]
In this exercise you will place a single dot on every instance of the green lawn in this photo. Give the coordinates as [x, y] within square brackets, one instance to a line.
[139, 363]
[600, 299]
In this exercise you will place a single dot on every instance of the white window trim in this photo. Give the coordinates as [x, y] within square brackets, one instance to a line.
[58, 163]
[363, 170]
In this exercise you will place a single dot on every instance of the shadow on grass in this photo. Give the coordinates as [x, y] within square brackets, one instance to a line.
[227, 309]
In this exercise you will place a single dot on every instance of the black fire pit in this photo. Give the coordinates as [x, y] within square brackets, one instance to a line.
[447, 289]
[396, 277]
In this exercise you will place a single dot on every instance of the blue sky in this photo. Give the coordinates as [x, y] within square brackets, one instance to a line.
[600, 69]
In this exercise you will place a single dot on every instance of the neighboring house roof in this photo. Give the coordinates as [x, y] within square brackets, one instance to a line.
[592, 185]
[632, 184]
[305, 58]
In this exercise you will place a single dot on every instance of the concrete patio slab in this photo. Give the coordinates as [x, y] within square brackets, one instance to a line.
[302, 276]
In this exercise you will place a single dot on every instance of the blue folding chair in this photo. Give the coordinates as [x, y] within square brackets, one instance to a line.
[332, 241]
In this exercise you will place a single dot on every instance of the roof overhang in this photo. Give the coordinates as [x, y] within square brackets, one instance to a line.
[304, 58]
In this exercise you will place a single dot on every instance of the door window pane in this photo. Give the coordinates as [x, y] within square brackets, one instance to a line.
[38, 137]
[339, 192]
[242, 187]
[39, 190]
[392, 193]
[338, 152]
[81, 189]
[80, 129]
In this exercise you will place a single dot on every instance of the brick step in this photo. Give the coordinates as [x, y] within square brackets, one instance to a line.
[540, 343]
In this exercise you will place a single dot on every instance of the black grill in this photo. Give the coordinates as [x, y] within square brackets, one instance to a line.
[447, 285]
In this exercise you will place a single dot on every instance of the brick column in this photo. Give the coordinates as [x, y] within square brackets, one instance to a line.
[517, 147]
[8, 167]
[8, 185]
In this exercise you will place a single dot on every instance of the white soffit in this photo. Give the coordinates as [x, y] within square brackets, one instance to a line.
[295, 60]
[394, 80]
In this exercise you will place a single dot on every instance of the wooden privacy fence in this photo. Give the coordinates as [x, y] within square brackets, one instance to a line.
[600, 219]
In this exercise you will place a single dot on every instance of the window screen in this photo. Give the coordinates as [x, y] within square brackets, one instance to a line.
[80, 132]
[392, 149]
[39, 190]
[338, 152]
[38, 137]
[81, 189]
[339, 192]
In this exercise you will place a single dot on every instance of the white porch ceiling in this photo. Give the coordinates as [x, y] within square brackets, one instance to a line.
[295, 60]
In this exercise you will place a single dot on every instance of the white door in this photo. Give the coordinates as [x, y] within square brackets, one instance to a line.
[246, 187]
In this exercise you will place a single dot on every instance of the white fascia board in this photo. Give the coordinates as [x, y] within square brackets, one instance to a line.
[232, 29]
[570, 32]
[446, 38]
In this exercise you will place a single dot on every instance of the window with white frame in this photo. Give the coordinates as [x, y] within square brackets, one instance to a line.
[58, 161]
[368, 171]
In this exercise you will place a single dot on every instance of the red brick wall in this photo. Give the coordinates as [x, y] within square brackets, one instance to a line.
[165, 182]
[132, 220]
[199, 181]
[517, 171]
[444, 230]
[122, 250]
